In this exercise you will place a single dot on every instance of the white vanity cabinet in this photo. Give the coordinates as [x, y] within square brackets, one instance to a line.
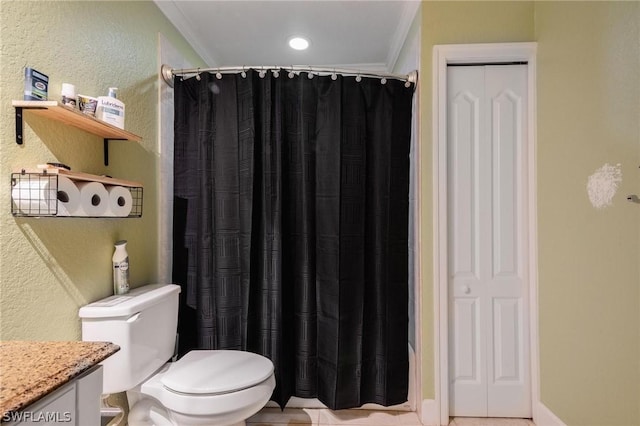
[76, 403]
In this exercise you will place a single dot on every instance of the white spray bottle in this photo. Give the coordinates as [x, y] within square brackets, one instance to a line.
[120, 268]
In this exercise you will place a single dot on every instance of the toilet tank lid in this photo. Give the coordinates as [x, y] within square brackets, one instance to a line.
[124, 305]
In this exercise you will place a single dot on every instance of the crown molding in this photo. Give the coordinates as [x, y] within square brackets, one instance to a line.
[410, 9]
[172, 11]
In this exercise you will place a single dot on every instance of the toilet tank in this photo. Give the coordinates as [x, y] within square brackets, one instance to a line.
[143, 323]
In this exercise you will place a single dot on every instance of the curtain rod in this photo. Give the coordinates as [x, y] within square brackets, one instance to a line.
[168, 72]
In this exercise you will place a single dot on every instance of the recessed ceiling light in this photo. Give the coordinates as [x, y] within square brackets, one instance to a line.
[298, 43]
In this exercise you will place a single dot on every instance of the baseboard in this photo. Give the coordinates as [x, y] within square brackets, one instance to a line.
[430, 414]
[545, 417]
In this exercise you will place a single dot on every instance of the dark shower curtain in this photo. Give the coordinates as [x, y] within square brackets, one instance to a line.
[291, 229]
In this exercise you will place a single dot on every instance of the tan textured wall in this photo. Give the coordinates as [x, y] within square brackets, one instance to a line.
[453, 23]
[50, 267]
[589, 287]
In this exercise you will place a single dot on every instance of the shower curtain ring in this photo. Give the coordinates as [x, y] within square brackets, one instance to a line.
[310, 74]
[291, 74]
[243, 73]
[219, 75]
[198, 75]
[262, 72]
[334, 76]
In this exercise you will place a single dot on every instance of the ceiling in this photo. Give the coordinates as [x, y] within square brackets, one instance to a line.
[366, 33]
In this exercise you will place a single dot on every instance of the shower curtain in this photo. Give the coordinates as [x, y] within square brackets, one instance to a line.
[291, 229]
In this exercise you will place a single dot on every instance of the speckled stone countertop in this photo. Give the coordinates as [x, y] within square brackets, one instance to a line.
[30, 370]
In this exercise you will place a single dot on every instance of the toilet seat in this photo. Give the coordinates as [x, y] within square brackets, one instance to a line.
[208, 395]
[215, 372]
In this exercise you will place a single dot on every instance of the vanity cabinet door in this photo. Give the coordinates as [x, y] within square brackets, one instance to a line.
[88, 393]
[56, 409]
[76, 403]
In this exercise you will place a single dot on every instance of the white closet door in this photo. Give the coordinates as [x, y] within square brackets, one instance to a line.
[488, 319]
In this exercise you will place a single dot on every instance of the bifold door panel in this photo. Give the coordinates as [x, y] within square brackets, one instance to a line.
[487, 242]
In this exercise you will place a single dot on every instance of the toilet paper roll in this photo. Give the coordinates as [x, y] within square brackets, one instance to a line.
[34, 195]
[120, 201]
[94, 199]
[68, 197]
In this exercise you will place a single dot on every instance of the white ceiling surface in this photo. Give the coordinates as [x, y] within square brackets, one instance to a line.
[365, 34]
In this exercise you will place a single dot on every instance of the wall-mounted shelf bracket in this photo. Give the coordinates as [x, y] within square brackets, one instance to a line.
[106, 148]
[20, 124]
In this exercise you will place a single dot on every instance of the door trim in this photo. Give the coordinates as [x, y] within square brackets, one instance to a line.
[485, 54]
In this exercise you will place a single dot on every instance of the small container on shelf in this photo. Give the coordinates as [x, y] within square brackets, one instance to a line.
[68, 95]
[36, 85]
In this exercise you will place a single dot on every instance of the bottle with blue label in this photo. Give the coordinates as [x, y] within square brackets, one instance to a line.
[120, 268]
[110, 109]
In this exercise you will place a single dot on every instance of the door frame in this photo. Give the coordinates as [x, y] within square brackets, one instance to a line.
[481, 54]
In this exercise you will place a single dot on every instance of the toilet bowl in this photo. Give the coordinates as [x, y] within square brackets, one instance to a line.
[204, 387]
[212, 387]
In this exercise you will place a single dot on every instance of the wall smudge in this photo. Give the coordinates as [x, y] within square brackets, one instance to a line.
[603, 185]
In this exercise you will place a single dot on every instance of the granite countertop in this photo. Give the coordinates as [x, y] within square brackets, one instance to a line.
[30, 370]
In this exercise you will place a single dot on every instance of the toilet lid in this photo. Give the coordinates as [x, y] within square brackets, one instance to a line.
[210, 372]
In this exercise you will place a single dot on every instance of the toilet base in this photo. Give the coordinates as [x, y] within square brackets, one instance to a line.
[149, 412]
[188, 420]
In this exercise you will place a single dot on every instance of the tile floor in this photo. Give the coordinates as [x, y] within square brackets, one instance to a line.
[324, 417]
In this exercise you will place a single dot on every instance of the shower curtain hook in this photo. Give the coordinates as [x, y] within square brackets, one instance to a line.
[383, 80]
[276, 72]
[243, 73]
[334, 76]
[310, 74]
[358, 78]
[219, 74]
[261, 73]
[291, 74]
[198, 74]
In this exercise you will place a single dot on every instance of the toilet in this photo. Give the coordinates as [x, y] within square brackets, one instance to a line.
[204, 387]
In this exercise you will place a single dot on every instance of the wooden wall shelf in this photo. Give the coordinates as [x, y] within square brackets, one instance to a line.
[72, 117]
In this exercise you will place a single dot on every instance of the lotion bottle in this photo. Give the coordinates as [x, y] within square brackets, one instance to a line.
[111, 109]
[120, 261]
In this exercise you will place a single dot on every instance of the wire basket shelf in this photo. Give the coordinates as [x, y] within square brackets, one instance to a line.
[40, 195]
